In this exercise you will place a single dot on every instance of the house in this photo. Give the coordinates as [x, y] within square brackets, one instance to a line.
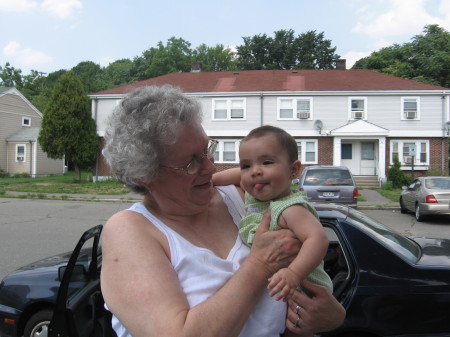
[357, 118]
[20, 152]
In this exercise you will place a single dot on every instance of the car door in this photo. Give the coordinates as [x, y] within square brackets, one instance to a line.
[410, 197]
[79, 309]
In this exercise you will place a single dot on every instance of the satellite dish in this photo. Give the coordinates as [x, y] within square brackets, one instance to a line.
[318, 125]
[447, 124]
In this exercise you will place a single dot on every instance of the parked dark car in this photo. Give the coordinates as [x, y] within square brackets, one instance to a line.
[426, 196]
[390, 284]
[329, 184]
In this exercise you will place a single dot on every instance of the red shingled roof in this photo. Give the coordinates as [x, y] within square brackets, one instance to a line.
[279, 80]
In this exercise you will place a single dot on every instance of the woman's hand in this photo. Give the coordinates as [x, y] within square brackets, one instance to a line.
[320, 313]
[274, 249]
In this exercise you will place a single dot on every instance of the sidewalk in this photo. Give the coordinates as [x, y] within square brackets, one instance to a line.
[374, 200]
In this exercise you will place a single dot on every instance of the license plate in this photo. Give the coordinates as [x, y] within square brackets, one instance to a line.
[328, 194]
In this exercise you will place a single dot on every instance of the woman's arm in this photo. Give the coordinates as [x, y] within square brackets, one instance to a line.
[142, 289]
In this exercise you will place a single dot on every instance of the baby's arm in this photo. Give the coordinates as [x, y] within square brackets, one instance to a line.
[227, 177]
[314, 246]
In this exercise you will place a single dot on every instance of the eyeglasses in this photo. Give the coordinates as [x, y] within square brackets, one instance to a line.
[193, 166]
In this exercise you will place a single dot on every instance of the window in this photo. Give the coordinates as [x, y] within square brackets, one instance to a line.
[227, 151]
[410, 108]
[358, 108]
[411, 151]
[307, 151]
[20, 152]
[227, 109]
[295, 108]
[346, 151]
[26, 121]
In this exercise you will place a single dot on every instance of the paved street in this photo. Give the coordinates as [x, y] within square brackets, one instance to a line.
[34, 229]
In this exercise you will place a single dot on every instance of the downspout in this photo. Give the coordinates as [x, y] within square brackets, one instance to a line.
[31, 158]
[444, 139]
[96, 129]
[262, 109]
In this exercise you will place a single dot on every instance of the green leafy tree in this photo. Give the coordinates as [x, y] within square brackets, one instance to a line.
[10, 76]
[309, 50]
[217, 58]
[397, 177]
[426, 58]
[68, 129]
[90, 75]
[118, 73]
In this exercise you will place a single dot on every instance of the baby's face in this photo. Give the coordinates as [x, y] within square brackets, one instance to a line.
[266, 172]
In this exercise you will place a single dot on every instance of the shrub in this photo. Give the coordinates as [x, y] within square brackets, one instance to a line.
[397, 177]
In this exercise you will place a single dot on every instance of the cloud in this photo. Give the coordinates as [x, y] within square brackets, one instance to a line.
[61, 9]
[401, 17]
[17, 5]
[25, 57]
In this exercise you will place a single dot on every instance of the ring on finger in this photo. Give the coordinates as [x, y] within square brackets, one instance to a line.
[297, 309]
[296, 322]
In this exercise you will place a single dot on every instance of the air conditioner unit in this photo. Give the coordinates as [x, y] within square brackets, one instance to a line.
[358, 115]
[410, 114]
[20, 158]
[302, 115]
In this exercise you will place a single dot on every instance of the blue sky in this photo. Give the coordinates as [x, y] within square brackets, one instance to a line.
[48, 35]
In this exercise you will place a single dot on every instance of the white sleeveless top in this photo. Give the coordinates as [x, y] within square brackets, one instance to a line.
[202, 273]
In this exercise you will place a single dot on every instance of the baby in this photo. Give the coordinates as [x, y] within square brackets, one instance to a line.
[268, 163]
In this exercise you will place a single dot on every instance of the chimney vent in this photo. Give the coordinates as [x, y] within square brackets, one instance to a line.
[196, 67]
[341, 64]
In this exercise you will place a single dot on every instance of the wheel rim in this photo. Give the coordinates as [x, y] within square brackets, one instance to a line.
[417, 212]
[40, 330]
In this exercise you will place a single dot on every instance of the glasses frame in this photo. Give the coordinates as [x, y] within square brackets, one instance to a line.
[190, 167]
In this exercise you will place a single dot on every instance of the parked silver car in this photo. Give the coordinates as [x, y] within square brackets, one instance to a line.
[426, 195]
[329, 184]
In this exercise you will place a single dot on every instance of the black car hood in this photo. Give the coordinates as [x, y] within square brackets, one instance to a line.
[435, 252]
[43, 269]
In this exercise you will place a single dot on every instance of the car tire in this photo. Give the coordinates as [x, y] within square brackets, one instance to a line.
[419, 216]
[37, 325]
[403, 209]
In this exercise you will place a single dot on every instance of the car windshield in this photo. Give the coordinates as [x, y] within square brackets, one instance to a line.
[328, 177]
[438, 183]
[400, 244]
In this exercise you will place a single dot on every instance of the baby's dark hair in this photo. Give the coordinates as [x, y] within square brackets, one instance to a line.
[286, 141]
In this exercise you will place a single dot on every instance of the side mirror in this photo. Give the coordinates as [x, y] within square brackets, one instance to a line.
[79, 273]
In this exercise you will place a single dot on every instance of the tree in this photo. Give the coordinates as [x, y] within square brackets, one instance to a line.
[118, 73]
[217, 58]
[426, 58]
[10, 76]
[90, 75]
[68, 129]
[309, 50]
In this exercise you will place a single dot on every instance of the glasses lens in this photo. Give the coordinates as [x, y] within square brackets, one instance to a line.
[194, 165]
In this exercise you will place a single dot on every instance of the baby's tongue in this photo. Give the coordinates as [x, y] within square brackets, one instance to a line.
[259, 186]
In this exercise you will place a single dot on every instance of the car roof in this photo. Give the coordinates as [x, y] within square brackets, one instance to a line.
[330, 210]
[323, 167]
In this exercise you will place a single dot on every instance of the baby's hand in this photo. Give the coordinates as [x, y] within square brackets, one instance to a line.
[284, 282]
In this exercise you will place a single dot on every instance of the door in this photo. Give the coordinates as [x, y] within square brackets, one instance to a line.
[348, 155]
[368, 163]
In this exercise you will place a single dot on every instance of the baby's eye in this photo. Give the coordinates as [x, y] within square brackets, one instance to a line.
[268, 162]
[244, 166]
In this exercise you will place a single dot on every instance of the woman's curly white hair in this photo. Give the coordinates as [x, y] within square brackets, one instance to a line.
[141, 127]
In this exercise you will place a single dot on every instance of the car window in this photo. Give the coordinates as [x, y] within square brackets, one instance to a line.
[328, 177]
[438, 183]
[400, 244]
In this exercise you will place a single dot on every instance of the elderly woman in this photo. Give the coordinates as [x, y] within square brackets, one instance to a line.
[173, 264]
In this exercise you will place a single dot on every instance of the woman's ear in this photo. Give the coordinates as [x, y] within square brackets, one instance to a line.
[295, 169]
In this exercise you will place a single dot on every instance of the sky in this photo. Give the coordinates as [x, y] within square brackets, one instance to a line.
[49, 35]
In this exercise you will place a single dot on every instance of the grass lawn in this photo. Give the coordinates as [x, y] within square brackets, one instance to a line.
[393, 194]
[61, 184]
